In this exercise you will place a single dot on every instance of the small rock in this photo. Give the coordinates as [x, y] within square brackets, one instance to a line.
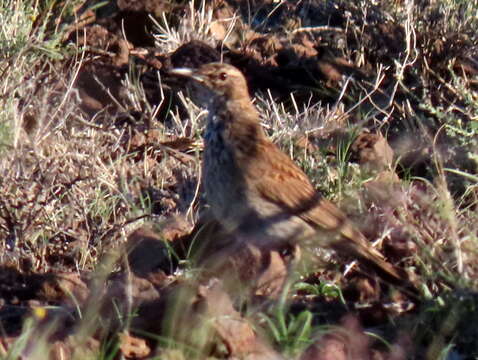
[373, 151]
[147, 253]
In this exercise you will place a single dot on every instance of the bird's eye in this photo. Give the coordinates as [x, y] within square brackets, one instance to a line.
[223, 76]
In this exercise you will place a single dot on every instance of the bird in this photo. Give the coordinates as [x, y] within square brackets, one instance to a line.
[256, 190]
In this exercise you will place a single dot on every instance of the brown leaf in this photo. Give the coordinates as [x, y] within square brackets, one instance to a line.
[65, 287]
[182, 144]
[218, 30]
[347, 343]
[175, 228]
[235, 332]
[327, 349]
[133, 347]
[384, 190]
[373, 151]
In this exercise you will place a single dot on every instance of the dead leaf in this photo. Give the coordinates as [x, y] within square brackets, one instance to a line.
[373, 151]
[347, 343]
[133, 347]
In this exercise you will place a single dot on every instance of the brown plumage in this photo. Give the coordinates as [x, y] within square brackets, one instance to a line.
[255, 189]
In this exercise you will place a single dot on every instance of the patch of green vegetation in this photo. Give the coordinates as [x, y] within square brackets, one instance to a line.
[290, 332]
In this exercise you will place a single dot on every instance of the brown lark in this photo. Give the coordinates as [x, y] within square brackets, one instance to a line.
[256, 190]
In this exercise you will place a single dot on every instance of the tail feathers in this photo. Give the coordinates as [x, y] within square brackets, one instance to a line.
[353, 243]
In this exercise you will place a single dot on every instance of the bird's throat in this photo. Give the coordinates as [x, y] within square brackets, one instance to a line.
[236, 125]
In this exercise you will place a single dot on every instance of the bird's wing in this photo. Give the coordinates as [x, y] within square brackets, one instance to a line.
[278, 179]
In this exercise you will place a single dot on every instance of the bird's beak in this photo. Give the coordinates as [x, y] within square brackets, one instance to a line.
[186, 72]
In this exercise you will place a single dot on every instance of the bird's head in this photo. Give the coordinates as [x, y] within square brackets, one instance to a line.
[221, 79]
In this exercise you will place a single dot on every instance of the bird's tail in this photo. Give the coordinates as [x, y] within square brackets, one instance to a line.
[354, 243]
